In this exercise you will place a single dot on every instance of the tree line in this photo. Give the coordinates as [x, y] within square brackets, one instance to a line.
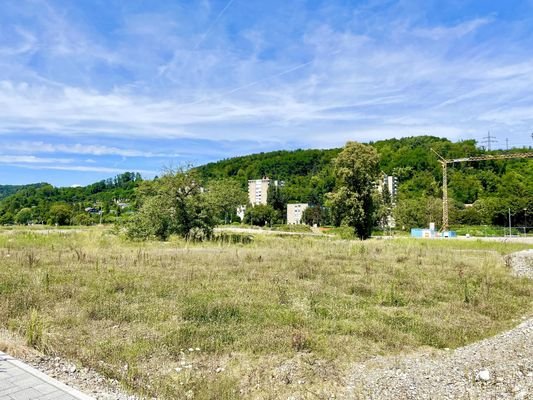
[480, 193]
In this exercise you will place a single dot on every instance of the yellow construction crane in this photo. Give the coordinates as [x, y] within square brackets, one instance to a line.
[444, 162]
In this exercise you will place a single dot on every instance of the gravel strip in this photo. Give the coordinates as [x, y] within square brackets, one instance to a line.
[86, 380]
[500, 367]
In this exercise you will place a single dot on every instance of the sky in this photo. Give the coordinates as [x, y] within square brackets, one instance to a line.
[92, 88]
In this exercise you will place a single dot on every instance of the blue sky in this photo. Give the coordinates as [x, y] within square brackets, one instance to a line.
[89, 89]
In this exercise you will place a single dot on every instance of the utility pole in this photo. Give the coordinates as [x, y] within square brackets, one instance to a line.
[489, 139]
[510, 228]
[525, 222]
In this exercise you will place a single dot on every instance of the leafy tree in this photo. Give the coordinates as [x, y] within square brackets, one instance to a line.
[24, 216]
[260, 215]
[60, 214]
[356, 171]
[418, 213]
[383, 206]
[277, 199]
[6, 218]
[82, 219]
[315, 215]
[464, 187]
[224, 196]
[173, 204]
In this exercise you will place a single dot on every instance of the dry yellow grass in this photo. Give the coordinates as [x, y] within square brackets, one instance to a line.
[277, 317]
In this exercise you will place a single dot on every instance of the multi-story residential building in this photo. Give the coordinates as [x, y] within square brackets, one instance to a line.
[258, 191]
[295, 213]
[391, 182]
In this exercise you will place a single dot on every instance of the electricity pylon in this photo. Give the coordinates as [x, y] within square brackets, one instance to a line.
[444, 162]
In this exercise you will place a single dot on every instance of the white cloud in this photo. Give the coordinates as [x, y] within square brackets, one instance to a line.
[82, 168]
[27, 147]
[7, 159]
[452, 32]
[364, 82]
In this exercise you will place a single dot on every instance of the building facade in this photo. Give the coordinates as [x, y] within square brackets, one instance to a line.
[295, 213]
[391, 183]
[258, 191]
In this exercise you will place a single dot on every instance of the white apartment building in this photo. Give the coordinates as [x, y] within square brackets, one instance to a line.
[295, 213]
[258, 191]
[392, 185]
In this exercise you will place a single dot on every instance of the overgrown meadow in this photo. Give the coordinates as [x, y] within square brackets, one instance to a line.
[275, 317]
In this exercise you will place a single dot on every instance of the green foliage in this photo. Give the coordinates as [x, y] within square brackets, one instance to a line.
[356, 170]
[224, 196]
[24, 216]
[418, 213]
[308, 175]
[316, 215]
[260, 215]
[82, 219]
[8, 190]
[173, 204]
[277, 199]
[60, 214]
[41, 197]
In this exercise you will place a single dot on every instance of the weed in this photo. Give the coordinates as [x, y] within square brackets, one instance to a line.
[35, 330]
[300, 341]
[31, 259]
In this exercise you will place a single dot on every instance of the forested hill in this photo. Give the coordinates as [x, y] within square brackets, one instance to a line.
[45, 203]
[491, 186]
[308, 173]
[8, 190]
[397, 155]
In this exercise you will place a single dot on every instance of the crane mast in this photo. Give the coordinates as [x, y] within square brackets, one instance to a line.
[444, 162]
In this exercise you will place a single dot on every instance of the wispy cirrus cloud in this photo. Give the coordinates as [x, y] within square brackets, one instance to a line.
[79, 148]
[10, 159]
[83, 168]
[114, 82]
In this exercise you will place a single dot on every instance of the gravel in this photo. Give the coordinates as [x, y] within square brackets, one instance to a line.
[522, 263]
[500, 367]
[86, 380]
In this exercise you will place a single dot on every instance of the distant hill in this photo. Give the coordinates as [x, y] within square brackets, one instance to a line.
[8, 190]
[492, 186]
[110, 196]
[308, 174]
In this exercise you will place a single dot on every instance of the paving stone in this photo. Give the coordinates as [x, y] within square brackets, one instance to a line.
[19, 381]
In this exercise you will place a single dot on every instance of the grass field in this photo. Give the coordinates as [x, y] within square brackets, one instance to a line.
[268, 319]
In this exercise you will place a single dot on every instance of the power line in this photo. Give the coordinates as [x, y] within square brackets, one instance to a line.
[489, 140]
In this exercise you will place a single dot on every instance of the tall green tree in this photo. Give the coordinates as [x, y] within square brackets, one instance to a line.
[224, 196]
[356, 170]
[277, 199]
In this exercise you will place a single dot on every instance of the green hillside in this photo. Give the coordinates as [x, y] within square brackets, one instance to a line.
[491, 187]
[8, 190]
[44, 203]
